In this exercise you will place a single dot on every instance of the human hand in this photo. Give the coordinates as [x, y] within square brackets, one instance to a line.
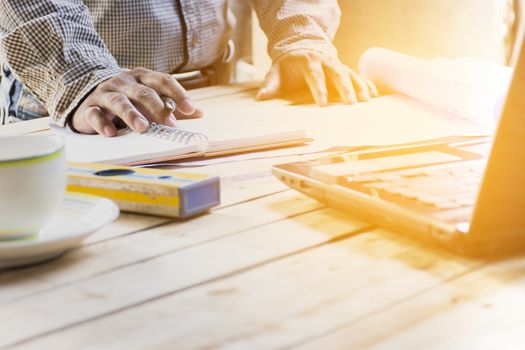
[317, 70]
[137, 97]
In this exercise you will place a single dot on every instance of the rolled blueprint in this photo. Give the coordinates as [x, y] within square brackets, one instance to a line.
[472, 89]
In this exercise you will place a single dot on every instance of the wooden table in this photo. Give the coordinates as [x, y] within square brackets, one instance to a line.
[269, 268]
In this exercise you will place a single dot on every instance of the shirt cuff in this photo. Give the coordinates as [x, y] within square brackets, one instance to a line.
[69, 96]
[288, 45]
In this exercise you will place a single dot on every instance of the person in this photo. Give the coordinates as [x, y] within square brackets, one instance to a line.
[87, 62]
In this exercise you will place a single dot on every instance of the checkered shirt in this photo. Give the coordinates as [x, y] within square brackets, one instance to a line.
[61, 49]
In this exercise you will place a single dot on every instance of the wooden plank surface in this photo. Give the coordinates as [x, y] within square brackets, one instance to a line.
[482, 309]
[102, 256]
[278, 304]
[267, 269]
[238, 186]
[178, 269]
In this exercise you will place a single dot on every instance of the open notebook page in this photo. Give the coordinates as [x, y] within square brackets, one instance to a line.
[230, 128]
[127, 147]
[226, 129]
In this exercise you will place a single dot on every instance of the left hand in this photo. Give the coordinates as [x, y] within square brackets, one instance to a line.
[297, 68]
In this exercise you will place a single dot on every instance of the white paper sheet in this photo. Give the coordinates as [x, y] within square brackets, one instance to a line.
[385, 120]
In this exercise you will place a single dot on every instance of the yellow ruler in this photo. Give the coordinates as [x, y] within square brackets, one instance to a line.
[147, 191]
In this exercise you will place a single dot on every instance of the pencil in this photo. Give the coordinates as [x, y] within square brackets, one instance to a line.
[169, 103]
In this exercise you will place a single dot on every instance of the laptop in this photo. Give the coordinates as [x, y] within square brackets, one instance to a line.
[466, 194]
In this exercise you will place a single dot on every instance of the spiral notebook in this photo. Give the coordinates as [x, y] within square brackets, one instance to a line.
[192, 138]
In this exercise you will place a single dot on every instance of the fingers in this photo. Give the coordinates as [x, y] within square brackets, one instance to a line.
[93, 119]
[145, 99]
[362, 86]
[271, 84]
[100, 122]
[168, 86]
[318, 71]
[315, 79]
[119, 105]
[343, 84]
[151, 105]
[371, 87]
[135, 97]
[198, 114]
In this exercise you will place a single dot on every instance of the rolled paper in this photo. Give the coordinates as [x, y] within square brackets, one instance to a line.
[469, 88]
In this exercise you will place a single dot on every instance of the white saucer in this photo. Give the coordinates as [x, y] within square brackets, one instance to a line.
[79, 216]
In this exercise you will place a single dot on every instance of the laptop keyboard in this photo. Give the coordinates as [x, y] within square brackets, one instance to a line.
[444, 187]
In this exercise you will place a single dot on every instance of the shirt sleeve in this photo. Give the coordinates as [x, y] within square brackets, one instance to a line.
[298, 24]
[54, 50]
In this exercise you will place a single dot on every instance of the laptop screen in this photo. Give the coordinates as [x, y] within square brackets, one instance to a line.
[500, 206]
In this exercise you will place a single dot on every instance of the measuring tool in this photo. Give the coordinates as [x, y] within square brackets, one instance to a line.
[147, 191]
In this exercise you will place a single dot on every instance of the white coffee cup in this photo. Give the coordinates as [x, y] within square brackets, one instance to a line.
[32, 183]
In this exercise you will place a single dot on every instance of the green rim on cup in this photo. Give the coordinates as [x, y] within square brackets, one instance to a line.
[31, 160]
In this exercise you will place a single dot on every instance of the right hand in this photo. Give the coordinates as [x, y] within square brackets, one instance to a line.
[136, 97]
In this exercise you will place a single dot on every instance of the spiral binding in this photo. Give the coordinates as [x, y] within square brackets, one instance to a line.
[173, 134]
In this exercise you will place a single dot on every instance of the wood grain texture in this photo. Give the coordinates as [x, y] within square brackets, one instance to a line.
[150, 279]
[482, 309]
[268, 269]
[280, 304]
[112, 254]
